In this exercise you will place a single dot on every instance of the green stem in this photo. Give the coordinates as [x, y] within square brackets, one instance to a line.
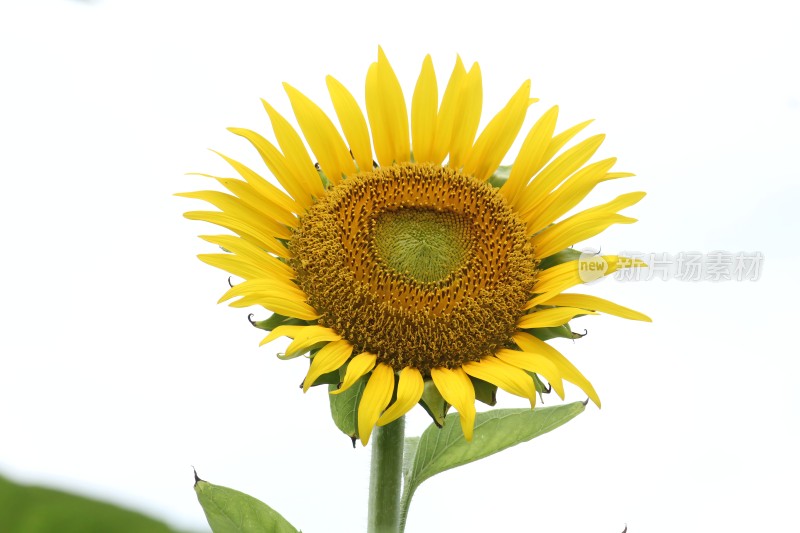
[386, 478]
[405, 503]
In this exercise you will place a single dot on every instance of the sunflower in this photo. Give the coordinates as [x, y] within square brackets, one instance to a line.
[422, 264]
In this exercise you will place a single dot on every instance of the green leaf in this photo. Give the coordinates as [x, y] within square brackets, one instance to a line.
[500, 176]
[231, 511]
[433, 403]
[29, 509]
[409, 452]
[344, 407]
[564, 256]
[442, 449]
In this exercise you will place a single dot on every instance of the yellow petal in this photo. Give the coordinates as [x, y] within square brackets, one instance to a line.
[276, 304]
[559, 270]
[298, 332]
[554, 280]
[321, 134]
[448, 111]
[423, 113]
[270, 286]
[615, 175]
[568, 195]
[329, 358]
[302, 345]
[531, 156]
[498, 136]
[409, 391]
[358, 366]
[572, 268]
[594, 303]
[377, 395]
[557, 171]
[249, 195]
[568, 232]
[299, 186]
[252, 234]
[353, 123]
[531, 344]
[617, 204]
[380, 134]
[563, 138]
[254, 254]
[388, 115]
[534, 362]
[304, 337]
[584, 225]
[509, 378]
[467, 117]
[267, 189]
[457, 390]
[287, 331]
[296, 156]
[237, 266]
[239, 209]
[548, 318]
[394, 108]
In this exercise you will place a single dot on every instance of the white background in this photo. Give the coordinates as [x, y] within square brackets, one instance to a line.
[119, 371]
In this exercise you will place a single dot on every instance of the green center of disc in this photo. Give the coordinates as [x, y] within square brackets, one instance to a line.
[425, 245]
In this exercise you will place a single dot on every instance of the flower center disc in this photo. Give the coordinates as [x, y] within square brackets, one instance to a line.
[418, 264]
[424, 245]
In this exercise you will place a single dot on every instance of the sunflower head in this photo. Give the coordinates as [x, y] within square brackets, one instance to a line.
[439, 267]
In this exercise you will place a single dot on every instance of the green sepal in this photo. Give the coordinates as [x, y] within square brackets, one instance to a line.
[563, 331]
[230, 511]
[433, 403]
[325, 181]
[344, 407]
[440, 449]
[284, 357]
[564, 256]
[484, 392]
[500, 176]
[276, 320]
[331, 378]
[540, 386]
[311, 351]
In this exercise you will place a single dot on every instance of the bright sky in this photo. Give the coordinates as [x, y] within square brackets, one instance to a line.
[119, 371]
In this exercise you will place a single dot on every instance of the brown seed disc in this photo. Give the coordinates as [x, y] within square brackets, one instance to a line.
[418, 264]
